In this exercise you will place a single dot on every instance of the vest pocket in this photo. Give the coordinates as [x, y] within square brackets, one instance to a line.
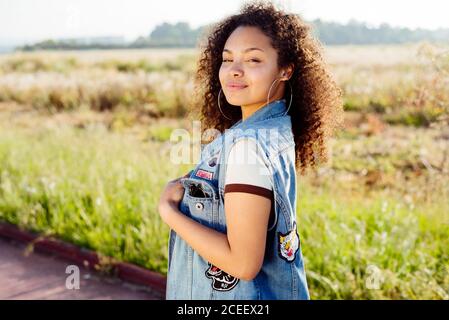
[199, 188]
[201, 198]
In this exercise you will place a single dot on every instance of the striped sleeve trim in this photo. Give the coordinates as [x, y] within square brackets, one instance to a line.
[247, 188]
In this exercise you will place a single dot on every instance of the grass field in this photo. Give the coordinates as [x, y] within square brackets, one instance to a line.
[84, 154]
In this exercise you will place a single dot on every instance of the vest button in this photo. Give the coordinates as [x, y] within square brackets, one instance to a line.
[199, 206]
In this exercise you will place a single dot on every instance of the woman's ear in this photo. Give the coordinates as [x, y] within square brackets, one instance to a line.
[287, 73]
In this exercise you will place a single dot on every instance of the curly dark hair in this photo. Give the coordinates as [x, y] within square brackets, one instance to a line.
[316, 110]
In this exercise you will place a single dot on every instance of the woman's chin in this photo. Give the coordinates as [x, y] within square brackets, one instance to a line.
[236, 101]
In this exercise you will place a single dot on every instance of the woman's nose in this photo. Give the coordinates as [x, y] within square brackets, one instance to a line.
[236, 69]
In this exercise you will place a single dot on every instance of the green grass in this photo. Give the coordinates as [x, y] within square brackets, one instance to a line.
[99, 189]
[343, 236]
[96, 190]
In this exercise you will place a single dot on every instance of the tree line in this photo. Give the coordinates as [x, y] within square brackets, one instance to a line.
[181, 35]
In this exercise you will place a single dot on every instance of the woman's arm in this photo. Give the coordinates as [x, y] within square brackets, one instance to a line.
[240, 252]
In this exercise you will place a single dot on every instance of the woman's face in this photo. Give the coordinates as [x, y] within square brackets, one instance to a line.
[248, 69]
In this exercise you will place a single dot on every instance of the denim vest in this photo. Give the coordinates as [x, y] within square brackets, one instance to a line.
[282, 276]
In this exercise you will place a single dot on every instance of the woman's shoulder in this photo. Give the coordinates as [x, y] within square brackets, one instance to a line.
[270, 142]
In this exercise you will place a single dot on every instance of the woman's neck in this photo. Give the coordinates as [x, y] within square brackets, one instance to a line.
[248, 110]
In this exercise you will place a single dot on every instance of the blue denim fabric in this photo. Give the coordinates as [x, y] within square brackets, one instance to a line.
[282, 276]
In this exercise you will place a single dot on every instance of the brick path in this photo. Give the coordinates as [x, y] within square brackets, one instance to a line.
[42, 276]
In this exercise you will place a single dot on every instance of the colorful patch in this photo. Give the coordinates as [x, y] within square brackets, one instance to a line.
[288, 244]
[221, 281]
[204, 174]
[212, 162]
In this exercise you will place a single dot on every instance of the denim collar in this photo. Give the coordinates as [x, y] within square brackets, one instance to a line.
[274, 109]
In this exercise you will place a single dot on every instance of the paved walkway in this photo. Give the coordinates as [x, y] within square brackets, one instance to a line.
[41, 276]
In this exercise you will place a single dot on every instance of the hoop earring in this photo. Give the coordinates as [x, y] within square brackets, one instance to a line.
[220, 107]
[291, 95]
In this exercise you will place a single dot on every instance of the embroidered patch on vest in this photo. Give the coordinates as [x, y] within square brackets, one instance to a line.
[212, 162]
[204, 174]
[221, 281]
[288, 244]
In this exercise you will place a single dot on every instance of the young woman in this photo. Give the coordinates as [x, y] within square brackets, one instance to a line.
[233, 217]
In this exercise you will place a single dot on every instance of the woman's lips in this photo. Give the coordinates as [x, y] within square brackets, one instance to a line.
[235, 87]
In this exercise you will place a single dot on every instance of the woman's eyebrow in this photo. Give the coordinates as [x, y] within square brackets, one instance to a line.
[246, 50]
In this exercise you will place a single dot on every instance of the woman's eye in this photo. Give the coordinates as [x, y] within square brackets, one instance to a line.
[254, 60]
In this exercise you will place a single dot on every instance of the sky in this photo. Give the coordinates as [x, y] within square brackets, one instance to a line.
[26, 21]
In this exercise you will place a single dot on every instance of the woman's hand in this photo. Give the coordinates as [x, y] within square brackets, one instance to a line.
[173, 191]
[171, 196]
